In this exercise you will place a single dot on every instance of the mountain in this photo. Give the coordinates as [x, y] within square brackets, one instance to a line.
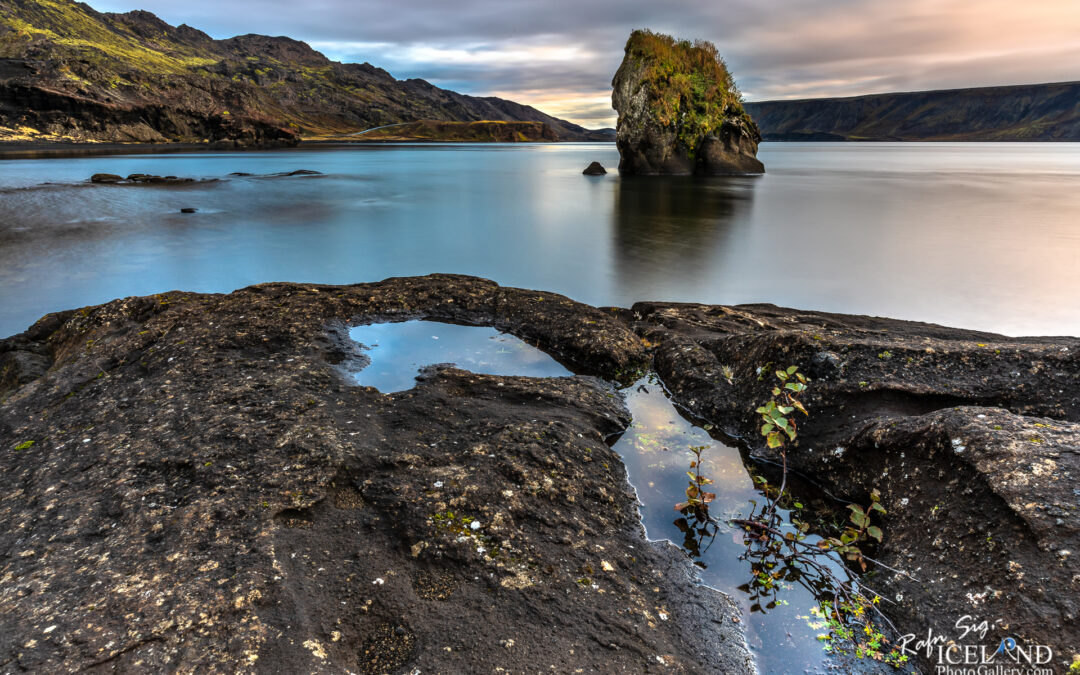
[68, 72]
[470, 132]
[1029, 112]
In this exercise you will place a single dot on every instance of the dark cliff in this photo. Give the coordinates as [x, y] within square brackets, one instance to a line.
[1030, 112]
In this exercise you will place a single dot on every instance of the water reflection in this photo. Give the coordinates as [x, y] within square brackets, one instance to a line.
[657, 449]
[669, 230]
[977, 235]
[396, 351]
[657, 452]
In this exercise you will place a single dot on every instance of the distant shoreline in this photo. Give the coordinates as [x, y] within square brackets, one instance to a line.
[56, 150]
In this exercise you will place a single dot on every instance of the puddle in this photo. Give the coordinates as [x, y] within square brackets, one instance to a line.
[656, 451]
[399, 350]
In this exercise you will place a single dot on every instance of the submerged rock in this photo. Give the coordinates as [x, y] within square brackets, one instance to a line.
[680, 111]
[144, 179]
[594, 169]
[188, 209]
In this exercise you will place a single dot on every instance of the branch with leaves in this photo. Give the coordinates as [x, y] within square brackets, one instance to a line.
[778, 551]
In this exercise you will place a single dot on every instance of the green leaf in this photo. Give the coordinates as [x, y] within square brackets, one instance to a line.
[782, 375]
[785, 409]
[878, 507]
[773, 440]
[776, 391]
[791, 370]
[766, 428]
[874, 531]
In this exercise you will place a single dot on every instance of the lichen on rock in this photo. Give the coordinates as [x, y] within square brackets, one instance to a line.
[680, 111]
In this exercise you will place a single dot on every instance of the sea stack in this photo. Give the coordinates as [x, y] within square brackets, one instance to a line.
[680, 111]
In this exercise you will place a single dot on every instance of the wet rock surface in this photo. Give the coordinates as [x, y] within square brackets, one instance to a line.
[595, 169]
[190, 482]
[972, 439]
[205, 491]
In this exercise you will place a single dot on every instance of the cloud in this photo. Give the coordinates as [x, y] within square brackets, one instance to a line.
[560, 55]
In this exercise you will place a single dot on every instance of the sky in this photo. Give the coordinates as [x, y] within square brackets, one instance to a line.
[560, 55]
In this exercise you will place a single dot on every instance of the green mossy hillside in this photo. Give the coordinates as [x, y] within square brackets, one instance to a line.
[69, 72]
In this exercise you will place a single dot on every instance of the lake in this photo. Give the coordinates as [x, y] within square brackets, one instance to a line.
[975, 235]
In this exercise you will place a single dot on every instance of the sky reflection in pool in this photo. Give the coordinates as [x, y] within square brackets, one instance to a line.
[398, 350]
[656, 452]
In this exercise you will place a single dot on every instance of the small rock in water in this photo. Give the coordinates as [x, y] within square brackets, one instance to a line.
[105, 178]
[304, 172]
[188, 209]
[594, 169]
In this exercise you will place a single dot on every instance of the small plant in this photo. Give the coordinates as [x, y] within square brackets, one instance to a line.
[696, 524]
[780, 555]
[728, 374]
[25, 445]
[697, 499]
[859, 530]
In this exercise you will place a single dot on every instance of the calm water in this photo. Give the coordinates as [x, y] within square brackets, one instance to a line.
[656, 452]
[978, 235]
[396, 352]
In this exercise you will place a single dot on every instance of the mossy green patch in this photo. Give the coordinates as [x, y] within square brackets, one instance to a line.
[687, 83]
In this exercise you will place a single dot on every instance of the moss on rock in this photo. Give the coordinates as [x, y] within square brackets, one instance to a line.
[680, 110]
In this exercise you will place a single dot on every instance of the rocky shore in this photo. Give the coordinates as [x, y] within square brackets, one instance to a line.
[190, 482]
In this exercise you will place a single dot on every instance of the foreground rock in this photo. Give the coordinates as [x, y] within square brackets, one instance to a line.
[595, 169]
[189, 483]
[972, 439]
[680, 111]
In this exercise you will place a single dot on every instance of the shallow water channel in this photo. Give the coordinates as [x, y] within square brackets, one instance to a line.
[656, 451]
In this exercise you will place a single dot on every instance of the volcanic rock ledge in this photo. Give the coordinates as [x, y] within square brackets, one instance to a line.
[205, 491]
[189, 482]
[972, 438]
